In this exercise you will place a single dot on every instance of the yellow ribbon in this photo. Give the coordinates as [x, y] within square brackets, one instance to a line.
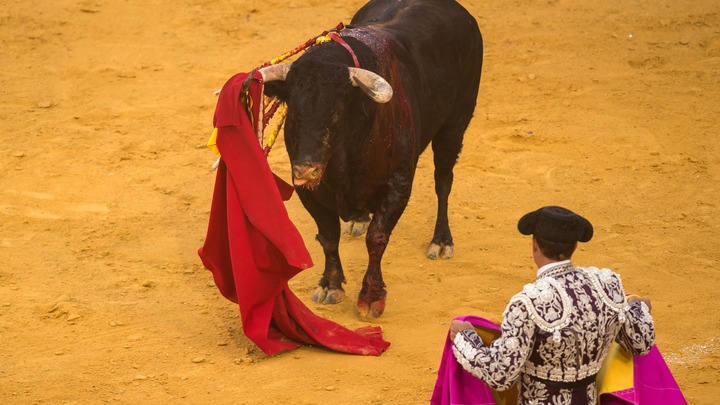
[212, 142]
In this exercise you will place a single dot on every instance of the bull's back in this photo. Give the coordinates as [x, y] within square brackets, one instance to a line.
[430, 26]
[440, 45]
[383, 11]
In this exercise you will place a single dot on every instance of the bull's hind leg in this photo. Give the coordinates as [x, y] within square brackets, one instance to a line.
[358, 226]
[446, 148]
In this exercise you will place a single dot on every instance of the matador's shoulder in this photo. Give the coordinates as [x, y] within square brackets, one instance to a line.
[547, 302]
[608, 283]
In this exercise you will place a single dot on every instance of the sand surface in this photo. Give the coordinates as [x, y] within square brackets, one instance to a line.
[608, 108]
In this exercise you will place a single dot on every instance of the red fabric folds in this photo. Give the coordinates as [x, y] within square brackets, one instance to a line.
[253, 249]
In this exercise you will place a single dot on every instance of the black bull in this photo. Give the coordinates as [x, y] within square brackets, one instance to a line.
[352, 151]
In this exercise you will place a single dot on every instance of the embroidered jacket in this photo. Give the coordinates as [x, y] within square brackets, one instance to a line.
[558, 329]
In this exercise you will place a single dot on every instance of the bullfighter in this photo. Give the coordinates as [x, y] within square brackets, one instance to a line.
[557, 331]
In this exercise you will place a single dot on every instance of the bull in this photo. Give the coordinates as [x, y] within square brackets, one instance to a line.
[403, 75]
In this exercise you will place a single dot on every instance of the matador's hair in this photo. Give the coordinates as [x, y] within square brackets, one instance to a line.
[556, 250]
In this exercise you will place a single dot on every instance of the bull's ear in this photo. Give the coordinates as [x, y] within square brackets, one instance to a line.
[274, 78]
[276, 89]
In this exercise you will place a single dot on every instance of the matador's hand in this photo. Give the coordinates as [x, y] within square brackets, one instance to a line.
[634, 298]
[458, 326]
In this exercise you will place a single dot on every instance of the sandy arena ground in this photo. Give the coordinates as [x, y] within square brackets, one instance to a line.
[608, 108]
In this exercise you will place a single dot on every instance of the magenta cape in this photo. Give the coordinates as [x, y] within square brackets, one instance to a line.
[253, 249]
[652, 381]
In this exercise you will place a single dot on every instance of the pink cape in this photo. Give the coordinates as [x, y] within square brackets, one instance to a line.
[253, 249]
[653, 382]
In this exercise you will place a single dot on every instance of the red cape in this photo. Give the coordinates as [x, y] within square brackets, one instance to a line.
[253, 249]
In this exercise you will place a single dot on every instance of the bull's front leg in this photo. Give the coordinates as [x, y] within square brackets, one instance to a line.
[371, 301]
[330, 290]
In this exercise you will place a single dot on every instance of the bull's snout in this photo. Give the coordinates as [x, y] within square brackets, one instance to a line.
[307, 175]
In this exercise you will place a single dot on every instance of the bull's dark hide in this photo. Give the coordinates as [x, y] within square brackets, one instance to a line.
[352, 156]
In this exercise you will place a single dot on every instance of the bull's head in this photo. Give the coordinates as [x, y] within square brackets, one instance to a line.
[322, 104]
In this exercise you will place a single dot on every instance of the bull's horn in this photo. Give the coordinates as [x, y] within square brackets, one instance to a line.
[371, 84]
[275, 72]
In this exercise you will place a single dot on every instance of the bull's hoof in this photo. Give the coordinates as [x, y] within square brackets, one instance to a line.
[320, 294]
[447, 252]
[323, 295]
[356, 228]
[334, 296]
[370, 310]
[436, 251]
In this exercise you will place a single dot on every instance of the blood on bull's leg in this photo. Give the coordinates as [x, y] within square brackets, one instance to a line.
[371, 301]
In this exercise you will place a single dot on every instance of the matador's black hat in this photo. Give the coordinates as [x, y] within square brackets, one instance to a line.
[556, 224]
